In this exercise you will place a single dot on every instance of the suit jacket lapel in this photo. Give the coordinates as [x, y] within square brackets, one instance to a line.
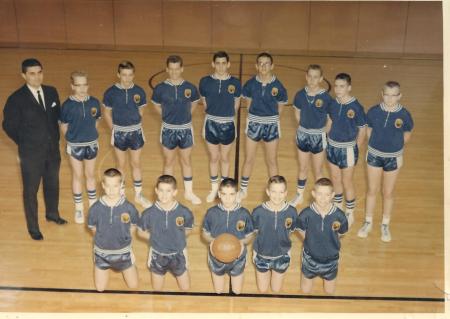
[32, 98]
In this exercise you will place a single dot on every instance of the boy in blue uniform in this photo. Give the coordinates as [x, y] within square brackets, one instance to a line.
[124, 107]
[273, 221]
[321, 225]
[389, 129]
[175, 100]
[346, 135]
[112, 219]
[311, 107]
[220, 94]
[228, 217]
[166, 225]
[78, 120]
[265, 95]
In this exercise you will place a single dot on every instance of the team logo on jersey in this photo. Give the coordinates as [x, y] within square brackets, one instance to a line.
[93, 111]
[350, 114]
[336, 225]
[179, 221]
[318, 103]
[288, 222]
[137, 98]
[240, 225]
[231, 89]
[274, 91]
[187, 93]
[125, 218]
[398, 123]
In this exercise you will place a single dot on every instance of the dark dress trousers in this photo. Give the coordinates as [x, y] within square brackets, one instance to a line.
[35, 130]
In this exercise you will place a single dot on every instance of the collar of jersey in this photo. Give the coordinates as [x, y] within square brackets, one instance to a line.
[331, 211]
[171, 84]
[266, 206]
[216, 78]
[397, 108]
[175, 205]
[73, 98]
[271, 80]
[352, 99]
[119, 202]
[122, 88]
[318, 92]
[236, 207]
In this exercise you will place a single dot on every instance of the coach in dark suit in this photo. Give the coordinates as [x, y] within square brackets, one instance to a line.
[30, 118]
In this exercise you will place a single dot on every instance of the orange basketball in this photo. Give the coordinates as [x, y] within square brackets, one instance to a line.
[226, 248]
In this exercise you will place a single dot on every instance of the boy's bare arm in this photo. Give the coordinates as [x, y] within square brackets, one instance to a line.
[107, 112]
[407, 136]
[207, 237]
[158, 108]
[237, 103]
[368, 132]
[143, 234]
[361, 136]
[248, 238]
[297, 115]
[64, 127]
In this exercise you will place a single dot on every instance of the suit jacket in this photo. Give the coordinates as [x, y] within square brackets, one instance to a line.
[34, 129]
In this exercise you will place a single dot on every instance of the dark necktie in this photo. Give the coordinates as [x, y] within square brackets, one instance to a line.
[40, 99]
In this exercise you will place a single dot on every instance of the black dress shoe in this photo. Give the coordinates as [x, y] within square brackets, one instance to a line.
[36, 235]
[58, 220]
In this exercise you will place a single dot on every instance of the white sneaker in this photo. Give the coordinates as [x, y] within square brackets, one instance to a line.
[385, 233]
[193, 198]
[364, 231]
[241, 195]
[298, 199]
[79, 217]
[350, 218]
[141, 200]
[211, 196]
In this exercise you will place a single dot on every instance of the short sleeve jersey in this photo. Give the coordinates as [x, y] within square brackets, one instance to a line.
[220, 94]
[167, 227]
[388, 127]
[313, 109]
[112, 224]
[175, 101]
[346, 119]
[273, 228]
[125, 104]
[265, 97]
[81, 117]
[321, 233]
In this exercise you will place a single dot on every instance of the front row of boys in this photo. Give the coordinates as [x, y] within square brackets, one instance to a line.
[167, 223]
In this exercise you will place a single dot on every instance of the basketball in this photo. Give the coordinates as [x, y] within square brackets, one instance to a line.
[226, 248]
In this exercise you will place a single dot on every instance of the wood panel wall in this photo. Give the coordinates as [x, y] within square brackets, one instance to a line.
[398, 27]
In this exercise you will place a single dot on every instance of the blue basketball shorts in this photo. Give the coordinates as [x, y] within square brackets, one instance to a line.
[387, 163]
[173, 136]
[160, 263]
[234, 268]
[119, 261]
[128, 137]
[310, 142]
[217, 131]
[278, 264]
[325, 268]
[82, 151]
[342, 157]
[263, 128]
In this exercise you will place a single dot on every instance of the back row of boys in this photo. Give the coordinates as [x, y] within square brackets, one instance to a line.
[337, 127]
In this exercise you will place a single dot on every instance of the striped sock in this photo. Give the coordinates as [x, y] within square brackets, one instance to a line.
[137, 186]
[350, 204]
[244, 182]
[214, 179]
[301, 183]
[222, 178]
[92, 196]
[78, 199]
[338, 199]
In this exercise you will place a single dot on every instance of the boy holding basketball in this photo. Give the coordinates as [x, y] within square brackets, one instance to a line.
[274, 221]
[112, 219]
[228, 217]
[321, 225]
[166, 225]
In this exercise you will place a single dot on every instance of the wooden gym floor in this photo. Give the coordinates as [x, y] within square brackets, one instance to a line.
[406, 275]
